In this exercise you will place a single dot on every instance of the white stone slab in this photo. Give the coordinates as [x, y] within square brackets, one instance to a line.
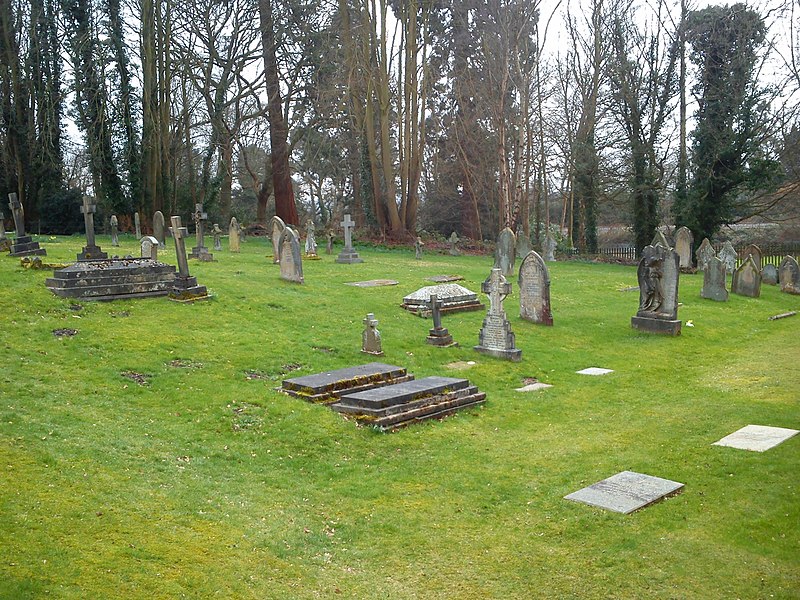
[594, 371]
[532, 387]
[626, 492]
[757, 438]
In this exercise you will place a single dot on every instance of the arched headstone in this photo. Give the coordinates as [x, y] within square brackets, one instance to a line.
[159, 227]
[276, 226]
[747, 279]
[291, 259]
[789, 275]
[506, 252]
[683, 246]
[704, 254]
[714, 279]
[534, 290]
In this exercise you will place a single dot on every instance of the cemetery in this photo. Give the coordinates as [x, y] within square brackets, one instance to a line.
[247, 446]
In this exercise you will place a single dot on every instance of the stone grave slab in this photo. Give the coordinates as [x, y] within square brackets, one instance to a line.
[533, 387]
[393, 406]
[758, 438]
[113, 279]
[454, 298]
[594, 371]
[445, 278]
[373, 283]
[330, 385]
[626, 492]
[460, 365]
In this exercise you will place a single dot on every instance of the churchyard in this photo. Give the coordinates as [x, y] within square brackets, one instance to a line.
[146, 453]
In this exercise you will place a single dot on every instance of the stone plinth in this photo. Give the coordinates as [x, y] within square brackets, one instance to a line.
[328, 386]
[651, 325]
[186, 289]
[25, 246]
[113, 279]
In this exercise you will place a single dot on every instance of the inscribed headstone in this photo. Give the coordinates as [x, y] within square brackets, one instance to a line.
[658, 291]
[714, 279]
[747, 279]
[348, 255]
[683, 246]
[371, 337]
[149, 247]
[233, 235]
[660, 240]
[534, 290]
[704, 254]
[276, 226]
[505, 254]
[291, 260]
[769, 274]
[728, 256]
[91, 251]
[453, 244]
[789, 275]
[311, 240]
[159, 227]
[329, 243]
[523, 244]
[755, 252]
[496, 337]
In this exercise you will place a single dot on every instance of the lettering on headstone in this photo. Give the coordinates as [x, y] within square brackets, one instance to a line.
[534, 290]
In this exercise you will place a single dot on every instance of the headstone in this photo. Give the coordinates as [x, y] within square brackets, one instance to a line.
[291, 260]
[659, 239]
[5, 242]
[789, 275]
[113, 279]
[658, 291]
[91, 251]
[534, 290]
[311, 242]
[496, 338]
[159, 228]
[23, 244]
[755, 252]
[704, 254]
[550, 246]
[728, 256]
[626, 492]
[438, 335]
[137, 225]
[453, 245]
[769, 274]
[348, 255]
[149, 246]
[453, 298]
[714, 279]
[683, 246]
[233, 235]
[329, 244]
[200, 251]
[114, 230]
[418, 244]
[217, 233]
[747, 279]
[505, 252]
[185, 288]
[329, 386]
[757, 438]
[276, 226]
[371, 337]
[523, 244]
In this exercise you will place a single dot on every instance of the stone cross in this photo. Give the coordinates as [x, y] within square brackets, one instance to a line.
[88, 209]
[371, 338]
[348, 225]
[19, 215]
[436, 312]
[199, 217]
[418, 248]
[178, 234]
[497, 289]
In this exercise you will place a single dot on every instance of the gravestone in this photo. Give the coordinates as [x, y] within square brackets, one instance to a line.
[373, 283]
[444, 278]
[704, 254]
[438, 335]
[329, 243]
[758, 438]
[728, 256]
[454, 245]
[747, 279]
[114, 230]
[137, 225]
[549, 248]
[113, 279]
[453, 298]
[626, 492]
[789, 275]
[755, 252]
[291, 260]
[149, 246]
[534, 290]
[233, 235]
[159, 228]
[523, 244]
[329, 386]
[418, 248]
[23, 244]
[91, 251]
[658, 291]
[371, 337]
[311, 241]
[660, 240]
[276, 226]
[390, 407]
[496, 338]
[594, 371]
[217, 233]
[683, 246]
[200, 251]
[505, 252]
[769, 275]
[5, 242]
[185, 288]
[348, 255]
[714, 279]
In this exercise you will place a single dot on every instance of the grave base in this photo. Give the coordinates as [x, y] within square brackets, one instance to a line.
[348, 257]
[113, 279]
[440, 337]
[25, 246]
[92, 253]
[186, 289]
[514, 354]
[328, 387]
[650, 325]
[202, 254]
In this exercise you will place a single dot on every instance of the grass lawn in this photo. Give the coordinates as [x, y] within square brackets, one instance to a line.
[149, 456]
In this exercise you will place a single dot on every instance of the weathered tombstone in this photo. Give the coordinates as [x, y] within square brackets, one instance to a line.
[158, 227]
[200, 251]
[438, 335]
[757, 438]
[728, 256]
[291, 260]
[114, 230]
[769, 274]
[534, 290]
[5, 242]
[505, 252]
[496, 337]
[789, 275]
[185, 288]
[149, 246]
[311, 241]
[137, 225]
[755, 252]
[747, 279]
[276, 226]
[714, 279]
[660, 240]
[626, 492]
[329, 244]
[233, 235]
[217, 233]
[371, 337]
[418, 244]
[550, 245]
[704, 254]
[23, 244]
[683, 246]
[658, 291]
[91, 251]
[523, 244]
[452, 298]
[348, 255]
[453, 245]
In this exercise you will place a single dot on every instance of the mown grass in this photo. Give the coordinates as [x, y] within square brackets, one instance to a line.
[205, 482]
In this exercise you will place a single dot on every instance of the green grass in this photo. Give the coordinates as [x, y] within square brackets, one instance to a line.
[203, 483]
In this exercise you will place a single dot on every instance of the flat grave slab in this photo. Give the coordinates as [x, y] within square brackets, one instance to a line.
[626, 492]
[594, 371]
[533, 387]
[453, 298]
[460, 365]
[445, 278]
[373, 283]
[329, 386]
[758, 438]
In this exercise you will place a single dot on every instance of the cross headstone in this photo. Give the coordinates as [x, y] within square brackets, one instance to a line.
[728, 256]
[233, 235]
[200, 251]
[714, 281]
[371, 337]
[137, 223]
[159, 227]
[276, 226]
[418, 244]
[683, 246]
[453, 242]
[496, 337]
[179, 234]
[18, 212]
[348, 255]
[23, 244]
[114, 230]
[747, 279]
[186, 288]
[91, 251]
[438, 335]
[704, 254]
[534, 290]
[789, 275]
[658, 273]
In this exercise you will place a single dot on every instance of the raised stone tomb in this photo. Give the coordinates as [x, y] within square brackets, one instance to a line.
[113, 279]
[328, 386]
[453, 298]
